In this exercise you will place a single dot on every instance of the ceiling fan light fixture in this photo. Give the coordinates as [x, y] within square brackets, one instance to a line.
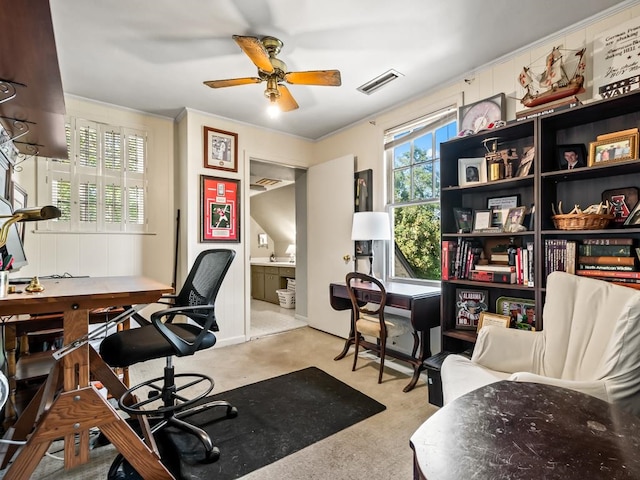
[273, 110]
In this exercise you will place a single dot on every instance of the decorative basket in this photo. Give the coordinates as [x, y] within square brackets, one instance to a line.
[581, 221]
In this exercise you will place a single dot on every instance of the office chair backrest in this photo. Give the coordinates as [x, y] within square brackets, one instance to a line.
[205, 278]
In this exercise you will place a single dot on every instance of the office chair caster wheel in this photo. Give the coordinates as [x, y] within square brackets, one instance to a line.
[232, 412]
[212, 456]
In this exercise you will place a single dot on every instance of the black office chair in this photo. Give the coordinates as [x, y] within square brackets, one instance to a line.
[164, 404]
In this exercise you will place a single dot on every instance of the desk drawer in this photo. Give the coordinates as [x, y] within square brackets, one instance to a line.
[368, 296]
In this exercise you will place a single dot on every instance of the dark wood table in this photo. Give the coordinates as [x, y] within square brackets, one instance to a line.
[79, 407]
[527, 431]
[422, 303]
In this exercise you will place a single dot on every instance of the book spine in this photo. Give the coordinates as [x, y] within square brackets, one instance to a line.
[525, 266]
[608, 268]
[444, 260]
[608, 241]
[605, 250]
[601, 260]
[608, 273]
[495, 277]
[530, 264]
[570, 266]
[456, 272]
[495, 268]
[519, 265]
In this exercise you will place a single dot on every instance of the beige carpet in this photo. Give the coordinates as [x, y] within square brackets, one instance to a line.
[377, 448]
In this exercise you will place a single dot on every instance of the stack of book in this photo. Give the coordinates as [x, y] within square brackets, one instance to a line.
[611, 259]
[459, 258]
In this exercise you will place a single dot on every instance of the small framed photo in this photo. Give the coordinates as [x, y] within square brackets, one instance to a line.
[633, 220]
[571, 156]
[481, 220]
[526, 162]
[220, 149]
[220, 209]
[262, 240]
[488, 318]
[515, 217]
[615, 149]
[472, 171]
[464, 219]
[500, 208]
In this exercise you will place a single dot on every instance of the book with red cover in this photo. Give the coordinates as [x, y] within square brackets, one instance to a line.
[607, 273]
[496, 277]
[602, 260]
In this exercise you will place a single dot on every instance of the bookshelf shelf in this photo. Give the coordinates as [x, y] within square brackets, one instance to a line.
[545, 186]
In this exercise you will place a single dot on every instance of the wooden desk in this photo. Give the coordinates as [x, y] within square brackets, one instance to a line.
[422, 302]
[527, 431]
[80, 407]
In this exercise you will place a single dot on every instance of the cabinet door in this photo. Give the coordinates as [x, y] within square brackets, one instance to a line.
[271, 284]
[257, 285]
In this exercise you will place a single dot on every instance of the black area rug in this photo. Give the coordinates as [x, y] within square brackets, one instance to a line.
[276, 417]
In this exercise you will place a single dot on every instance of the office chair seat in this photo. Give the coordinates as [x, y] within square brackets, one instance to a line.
[142, 344]
[163, 399]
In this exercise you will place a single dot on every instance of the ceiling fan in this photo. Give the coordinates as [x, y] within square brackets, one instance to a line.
[262, 53]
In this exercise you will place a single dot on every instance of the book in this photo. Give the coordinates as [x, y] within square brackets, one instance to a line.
[496, 277]
[607, 268]
[608, 273]
[607, 241]
[603, 260]
[499, 257]
[605, 250]
[448, 258]
[530, 264]
[492, 267]
[570, 266]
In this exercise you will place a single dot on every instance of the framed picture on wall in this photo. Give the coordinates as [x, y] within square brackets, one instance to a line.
[220, 149]
[363, 191]
[220, 209]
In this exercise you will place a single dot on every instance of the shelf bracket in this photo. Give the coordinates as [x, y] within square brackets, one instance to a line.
[7, 90]
[20, 128]
[32, 150]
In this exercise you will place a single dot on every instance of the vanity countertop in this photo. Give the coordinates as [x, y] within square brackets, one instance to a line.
[267, 263]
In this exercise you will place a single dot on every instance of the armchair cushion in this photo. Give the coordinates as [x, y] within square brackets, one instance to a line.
[590, 342]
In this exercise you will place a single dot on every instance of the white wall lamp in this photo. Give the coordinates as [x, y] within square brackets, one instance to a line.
[370, 226]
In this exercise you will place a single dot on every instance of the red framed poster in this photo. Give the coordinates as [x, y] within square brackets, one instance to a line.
[220, 209]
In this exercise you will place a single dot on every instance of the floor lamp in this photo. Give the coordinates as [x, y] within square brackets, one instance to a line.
[370, 226]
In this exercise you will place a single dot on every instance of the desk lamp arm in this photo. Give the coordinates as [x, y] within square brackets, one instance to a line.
[34, 214]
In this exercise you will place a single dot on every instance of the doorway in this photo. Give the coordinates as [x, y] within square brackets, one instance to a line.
[274, 235]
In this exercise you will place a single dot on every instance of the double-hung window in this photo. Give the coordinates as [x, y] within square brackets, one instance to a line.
[412, 153]
[102, 186]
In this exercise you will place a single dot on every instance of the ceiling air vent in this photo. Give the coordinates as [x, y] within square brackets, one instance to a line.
[379, 82]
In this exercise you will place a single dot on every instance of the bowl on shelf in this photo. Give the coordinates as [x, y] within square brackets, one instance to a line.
[581, 221]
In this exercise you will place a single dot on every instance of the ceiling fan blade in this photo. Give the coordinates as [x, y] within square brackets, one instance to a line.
[255, 51]
[285, 101]
[232, 82]
[315, 77]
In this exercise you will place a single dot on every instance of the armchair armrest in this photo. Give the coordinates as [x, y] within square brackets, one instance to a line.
[508, 350]
[203, 314]
[595, 388]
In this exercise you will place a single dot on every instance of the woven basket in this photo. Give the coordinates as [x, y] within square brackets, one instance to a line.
[581, 221]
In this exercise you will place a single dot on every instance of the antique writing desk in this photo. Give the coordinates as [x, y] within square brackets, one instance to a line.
[422, 302]
[79, 407]
[527, 431]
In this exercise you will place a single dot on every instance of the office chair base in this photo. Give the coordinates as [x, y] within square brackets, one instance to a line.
[152, 394]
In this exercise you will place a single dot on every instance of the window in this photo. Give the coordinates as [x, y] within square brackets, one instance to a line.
[413, 157]
[102, 186]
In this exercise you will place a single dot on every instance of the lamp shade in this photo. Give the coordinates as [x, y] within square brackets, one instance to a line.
[370, 226]
[291, 250]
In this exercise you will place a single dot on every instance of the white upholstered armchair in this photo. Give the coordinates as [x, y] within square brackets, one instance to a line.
[590, 343]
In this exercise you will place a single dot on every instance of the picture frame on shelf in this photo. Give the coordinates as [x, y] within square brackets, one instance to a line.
[633, 220]
[623, 200]
[619, 133]
[219, 209]
[464, 219]
[515, 217]
[488, 318]
[500, 208]
[571, 156]
[482, 221]
[470, 303]
[521, 312]
[526, 162]
[472, 171]
[616, 149]
[220, 149]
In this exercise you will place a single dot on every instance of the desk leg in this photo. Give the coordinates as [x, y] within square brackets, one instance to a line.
[418, 365]
[10, 345]
[80, 410]
[351, 340]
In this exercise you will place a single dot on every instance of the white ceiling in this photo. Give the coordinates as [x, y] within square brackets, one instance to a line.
[154, 55]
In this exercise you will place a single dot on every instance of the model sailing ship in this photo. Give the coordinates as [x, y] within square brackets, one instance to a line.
[560, 77]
